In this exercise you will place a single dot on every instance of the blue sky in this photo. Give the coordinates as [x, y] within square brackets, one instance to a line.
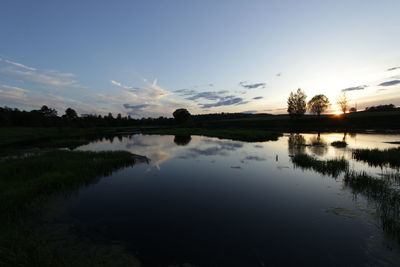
[147, 58]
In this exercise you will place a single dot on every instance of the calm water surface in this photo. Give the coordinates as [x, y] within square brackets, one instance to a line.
[212, 202]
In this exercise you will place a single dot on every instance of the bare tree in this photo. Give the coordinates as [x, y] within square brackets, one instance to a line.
[297, 103]
[318, 104]
[343, 102]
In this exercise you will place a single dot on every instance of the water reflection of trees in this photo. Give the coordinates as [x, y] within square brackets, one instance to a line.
[296, 144]
[182, 140]
[318, 145]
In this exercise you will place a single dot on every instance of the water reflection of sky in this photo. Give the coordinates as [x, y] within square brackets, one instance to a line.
[201, 199]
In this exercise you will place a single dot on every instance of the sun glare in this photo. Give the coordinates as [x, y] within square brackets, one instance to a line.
[337, 113]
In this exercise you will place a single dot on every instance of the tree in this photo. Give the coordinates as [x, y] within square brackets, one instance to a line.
[343, 102]
[297, 103]
[181, 115]
[353, 110]
[318, 104]
[70, 114]
[48, 112]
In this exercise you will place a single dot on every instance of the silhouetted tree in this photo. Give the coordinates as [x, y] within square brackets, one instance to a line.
[297, 103]
[353, 110]
[70, 114]
[318, 104]
[389, 107]
[48, 112]
[343, 102]
[181, 115]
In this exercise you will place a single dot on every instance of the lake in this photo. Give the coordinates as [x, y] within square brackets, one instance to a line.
[205, 201]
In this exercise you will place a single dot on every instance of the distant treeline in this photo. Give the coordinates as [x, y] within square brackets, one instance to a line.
[389, 107]
[45, 117]
[48, 117]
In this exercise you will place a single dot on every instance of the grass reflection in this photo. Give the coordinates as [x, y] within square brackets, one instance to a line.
[332, 167]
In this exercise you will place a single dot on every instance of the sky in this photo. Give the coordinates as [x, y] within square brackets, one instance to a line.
[148, 58]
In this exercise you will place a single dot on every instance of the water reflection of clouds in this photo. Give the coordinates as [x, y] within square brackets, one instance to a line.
[254, 158]
[211, 147]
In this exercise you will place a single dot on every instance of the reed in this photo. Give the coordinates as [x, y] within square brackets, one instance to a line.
[332, 167]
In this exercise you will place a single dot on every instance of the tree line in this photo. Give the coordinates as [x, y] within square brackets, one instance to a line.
[46, 116]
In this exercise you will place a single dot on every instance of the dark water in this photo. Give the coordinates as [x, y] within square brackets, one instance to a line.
[211, 202]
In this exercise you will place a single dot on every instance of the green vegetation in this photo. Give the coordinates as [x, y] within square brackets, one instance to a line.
[297, 103]
[318, 104]
[376, 157]
[25, 184]
[11, 136]
[339, 144]
[248, 135]
[385, 197]
[24, 180]
[181, 115]
[333, 167]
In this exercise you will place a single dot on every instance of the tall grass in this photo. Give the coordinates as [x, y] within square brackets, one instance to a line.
[23, 180]
[376, 157]
[333, 167]
[25, 184]
[385, 197]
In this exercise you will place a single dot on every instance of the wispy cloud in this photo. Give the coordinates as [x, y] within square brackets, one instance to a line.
[394, 68]
[20, 65]
[390, 83]
[360, 87]
[258, 97]
[218, 95]
[12, 93]
[136, 109]
[51, 78]
[247, 85]
[229, 102]
[149, 90]
[185, 92]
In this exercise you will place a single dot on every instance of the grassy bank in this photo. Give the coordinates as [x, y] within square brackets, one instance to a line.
[53, 136]
[249, 135]
[26, 184]
[26, 179]
[377, 157]
[333, 167]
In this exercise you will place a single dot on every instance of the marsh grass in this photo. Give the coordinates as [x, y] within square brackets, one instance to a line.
[332, 167]
[376, 157]
[339, 144]
[382, 194]
[25, 185]
[23, 180]
[248, 135]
